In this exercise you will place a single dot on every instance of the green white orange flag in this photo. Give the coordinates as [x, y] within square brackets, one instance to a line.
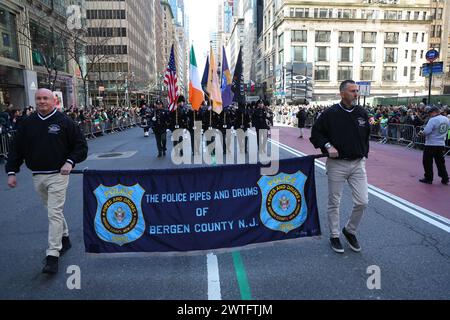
[213, 86]
[196, 95]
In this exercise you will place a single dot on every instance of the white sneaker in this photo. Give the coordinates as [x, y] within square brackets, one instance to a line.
[145, 134]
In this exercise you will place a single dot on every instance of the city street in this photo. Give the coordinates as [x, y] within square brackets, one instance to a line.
[412, 253]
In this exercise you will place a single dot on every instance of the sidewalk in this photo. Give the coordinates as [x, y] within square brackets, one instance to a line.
[392, 168]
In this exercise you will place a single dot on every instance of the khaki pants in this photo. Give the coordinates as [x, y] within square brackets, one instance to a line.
[353, 171]
[52, 190]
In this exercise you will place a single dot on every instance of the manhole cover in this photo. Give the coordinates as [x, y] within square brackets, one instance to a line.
[109, 155]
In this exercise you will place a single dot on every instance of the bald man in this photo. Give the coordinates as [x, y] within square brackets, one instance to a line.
[51, 144]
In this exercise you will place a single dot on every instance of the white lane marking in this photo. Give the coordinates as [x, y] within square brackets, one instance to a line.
[213, 277]
[417, 211]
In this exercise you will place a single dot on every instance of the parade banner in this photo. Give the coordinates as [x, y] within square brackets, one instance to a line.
[194, 209]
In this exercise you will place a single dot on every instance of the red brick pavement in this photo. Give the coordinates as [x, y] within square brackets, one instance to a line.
[391, 168]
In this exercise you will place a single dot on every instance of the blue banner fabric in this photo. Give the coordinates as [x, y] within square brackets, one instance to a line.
[192, 209]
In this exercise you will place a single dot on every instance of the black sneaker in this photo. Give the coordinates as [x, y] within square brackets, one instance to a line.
[426, 181]
[51, 265]
[66, 245]
[351, 240]
[164, 153]
[336, 245]
[159, 155]
[445, 181]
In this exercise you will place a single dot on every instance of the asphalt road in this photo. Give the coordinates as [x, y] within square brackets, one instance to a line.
[413, 256]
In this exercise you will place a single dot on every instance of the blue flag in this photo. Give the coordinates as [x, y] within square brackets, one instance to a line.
[205, 75]
[198, 208]
[227, 81]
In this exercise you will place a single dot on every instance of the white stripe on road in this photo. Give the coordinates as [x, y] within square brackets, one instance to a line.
[213, 277]
[417, 211]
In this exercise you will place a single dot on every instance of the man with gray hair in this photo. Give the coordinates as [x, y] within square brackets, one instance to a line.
[342, 131]
[51, 144]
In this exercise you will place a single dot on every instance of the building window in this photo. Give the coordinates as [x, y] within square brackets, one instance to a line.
[367, 73]
[391, 37]
[345, 13]
[299, 12]
[281, 41]
[368, 55]
[346, 36]
[413, 55]
[369, 37]
[405, 71]
[423, 36]
[281, 57]
[8, 31]
[412, 74]
[390, 73]
[345, 72]
[345, 54]
[323, 36]
[322, 73]
[390, 55]
[299, 54]
[415, 36]
[322, 54]
[299, 35]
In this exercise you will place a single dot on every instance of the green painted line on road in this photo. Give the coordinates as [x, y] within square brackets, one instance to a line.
[241, 275]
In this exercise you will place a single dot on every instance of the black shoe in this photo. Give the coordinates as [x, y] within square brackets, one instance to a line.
[426, 181]
[336, 245]
[445, 181]
[159, 155]
[66, 245]
[351, 240]
[51, 265]
[164, 153]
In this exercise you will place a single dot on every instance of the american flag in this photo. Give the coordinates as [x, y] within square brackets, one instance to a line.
[170, 80]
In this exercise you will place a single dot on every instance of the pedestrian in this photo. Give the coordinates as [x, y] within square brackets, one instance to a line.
[301, 117]
[160, 118]
[51, 144]
[435, 132]
[342, 131]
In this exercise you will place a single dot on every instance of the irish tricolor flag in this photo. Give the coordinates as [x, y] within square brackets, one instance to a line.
[195, 88]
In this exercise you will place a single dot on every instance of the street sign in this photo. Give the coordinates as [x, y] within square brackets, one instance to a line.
[432, 55]
[364, 88]
[435, 67]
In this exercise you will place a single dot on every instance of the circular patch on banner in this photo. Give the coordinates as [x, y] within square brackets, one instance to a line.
[284, 202]
[119, 215]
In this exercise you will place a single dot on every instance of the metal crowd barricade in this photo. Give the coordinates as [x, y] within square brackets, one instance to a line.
[401, 134]
[5, 143]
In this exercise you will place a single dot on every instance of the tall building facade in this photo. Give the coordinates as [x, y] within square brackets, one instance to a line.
[360, 40]
[32, 55]
[439, 40]
[127, 53]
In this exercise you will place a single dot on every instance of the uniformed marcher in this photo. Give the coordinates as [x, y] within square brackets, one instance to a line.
[242, 121]
[343, 131]
[160, 119]
[226, 121]
[435, 132]
[259, 121]
[144, 113]
[178, 119]
[194, 117]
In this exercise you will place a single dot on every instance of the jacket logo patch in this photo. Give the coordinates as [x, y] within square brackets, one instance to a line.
[54, 129]
[361, 122]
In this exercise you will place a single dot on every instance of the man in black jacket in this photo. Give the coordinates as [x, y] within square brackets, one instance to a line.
[301, 117]
[161, 120]
[51, 144]
[342, 131]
